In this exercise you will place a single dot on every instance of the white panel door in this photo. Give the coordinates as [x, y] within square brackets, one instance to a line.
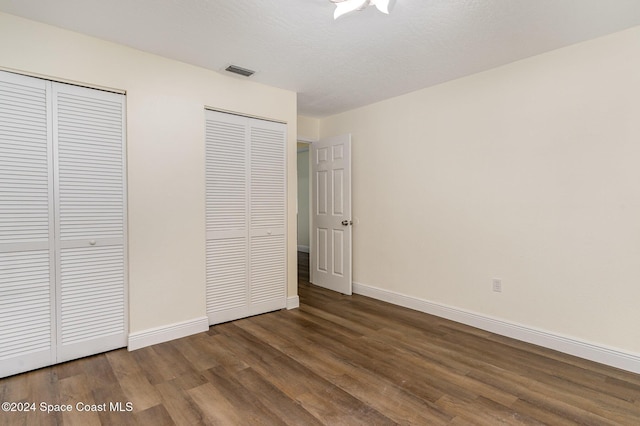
[245, 216]
[26, 226]
[89, 160]
[331, 217]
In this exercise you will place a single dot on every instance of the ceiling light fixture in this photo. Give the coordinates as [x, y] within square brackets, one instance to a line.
[344, 7]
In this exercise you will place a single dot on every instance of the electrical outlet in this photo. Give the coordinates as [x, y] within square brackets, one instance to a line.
[497, 285]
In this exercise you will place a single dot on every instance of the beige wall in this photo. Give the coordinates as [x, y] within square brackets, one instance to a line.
[308, 128]
[165, 141]
[529, 173]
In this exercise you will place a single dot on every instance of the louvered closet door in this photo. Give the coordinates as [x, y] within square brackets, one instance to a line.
[90, 220]
[246, 217]
[26, 226]
[227, 217]
[267, 272]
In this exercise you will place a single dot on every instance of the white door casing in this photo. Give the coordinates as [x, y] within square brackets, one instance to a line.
[331, 214]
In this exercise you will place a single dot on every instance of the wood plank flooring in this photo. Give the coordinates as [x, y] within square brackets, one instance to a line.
[338, 360]
[304, 266]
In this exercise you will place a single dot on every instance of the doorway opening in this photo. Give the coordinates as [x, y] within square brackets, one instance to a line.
[303, 211]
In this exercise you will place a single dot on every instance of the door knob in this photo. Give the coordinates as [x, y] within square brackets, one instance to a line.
[347, 223]
[92, 242]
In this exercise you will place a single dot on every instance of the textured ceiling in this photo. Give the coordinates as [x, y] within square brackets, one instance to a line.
[339, 65]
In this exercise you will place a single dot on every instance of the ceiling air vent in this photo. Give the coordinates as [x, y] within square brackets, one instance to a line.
[239, 70]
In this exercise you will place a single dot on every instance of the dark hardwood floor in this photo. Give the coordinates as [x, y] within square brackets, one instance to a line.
[338, 360]
[303, 267]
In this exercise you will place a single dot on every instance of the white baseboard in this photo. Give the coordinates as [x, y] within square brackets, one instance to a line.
[162, 334]
[593, 352]
[304, 249]
[293, 302]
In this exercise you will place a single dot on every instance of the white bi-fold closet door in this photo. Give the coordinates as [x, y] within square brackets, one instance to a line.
[62, 222]
[245, 216]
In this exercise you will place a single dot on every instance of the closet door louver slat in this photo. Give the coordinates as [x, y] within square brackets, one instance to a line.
[226, 176]
[25, 310]
[267, 271]
[84, 197]
[227, 285]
